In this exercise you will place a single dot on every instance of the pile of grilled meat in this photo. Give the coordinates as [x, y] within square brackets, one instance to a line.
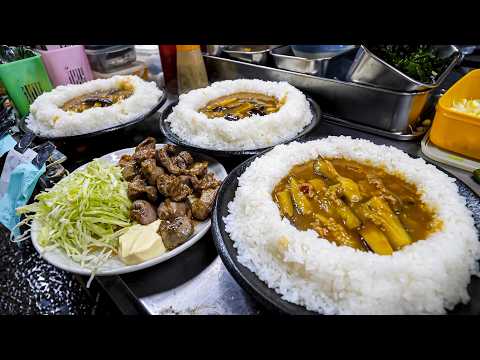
[167, 184]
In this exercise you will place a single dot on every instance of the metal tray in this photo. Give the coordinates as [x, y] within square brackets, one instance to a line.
[382, 109]
[284, 58]
[259, 55]
[369, 69]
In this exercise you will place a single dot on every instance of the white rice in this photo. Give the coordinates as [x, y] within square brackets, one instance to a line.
[48, 119]
[250, 133]
[425, 277]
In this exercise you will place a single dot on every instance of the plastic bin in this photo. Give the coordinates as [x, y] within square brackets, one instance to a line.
[105, 59]
[137, 68]
[453, 130]
[68, 65]
[24, 81]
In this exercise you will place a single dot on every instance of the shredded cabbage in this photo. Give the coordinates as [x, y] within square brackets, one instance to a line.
[84, 214]
[471, 107]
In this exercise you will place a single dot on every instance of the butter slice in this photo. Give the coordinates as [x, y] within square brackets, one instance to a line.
[141, 243]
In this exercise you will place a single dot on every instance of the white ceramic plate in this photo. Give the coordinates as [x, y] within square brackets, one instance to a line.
[115, 266]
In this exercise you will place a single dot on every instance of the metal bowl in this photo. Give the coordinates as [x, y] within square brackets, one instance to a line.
[255, 54]
[171, 136]
[284, 58]
[369, 69]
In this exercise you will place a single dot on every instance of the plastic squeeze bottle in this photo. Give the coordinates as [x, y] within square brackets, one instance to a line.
[191, 72]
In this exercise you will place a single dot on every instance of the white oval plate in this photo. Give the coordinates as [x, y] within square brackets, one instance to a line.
[114, 265]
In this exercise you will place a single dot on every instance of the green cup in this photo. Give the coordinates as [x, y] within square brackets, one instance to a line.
[24, 81]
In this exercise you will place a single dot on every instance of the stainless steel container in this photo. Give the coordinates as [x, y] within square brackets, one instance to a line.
[369, 69]
[256, 54]
[390, 111]
[215, 50]
[284, 58]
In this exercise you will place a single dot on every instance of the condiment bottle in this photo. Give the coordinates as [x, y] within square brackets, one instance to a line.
[168, 57]
[191, 72]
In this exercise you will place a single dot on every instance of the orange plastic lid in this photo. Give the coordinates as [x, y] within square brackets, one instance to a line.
[187, 47]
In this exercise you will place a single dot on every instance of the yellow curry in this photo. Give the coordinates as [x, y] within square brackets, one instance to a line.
[354, 204]
[102, 98]
[240, 105]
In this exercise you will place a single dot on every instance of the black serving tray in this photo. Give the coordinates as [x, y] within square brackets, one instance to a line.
[267, 296]
[168, 133]
[129, 126]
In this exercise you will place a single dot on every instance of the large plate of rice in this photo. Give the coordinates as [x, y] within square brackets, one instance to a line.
[48, 121]
[313, 275]
[186, 126]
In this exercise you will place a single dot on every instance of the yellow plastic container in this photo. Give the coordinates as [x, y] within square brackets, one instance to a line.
[454, 130]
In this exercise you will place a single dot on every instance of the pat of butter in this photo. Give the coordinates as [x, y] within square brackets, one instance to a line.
[141, 243]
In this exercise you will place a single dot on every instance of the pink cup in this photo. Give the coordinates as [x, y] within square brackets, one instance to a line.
[67, 65]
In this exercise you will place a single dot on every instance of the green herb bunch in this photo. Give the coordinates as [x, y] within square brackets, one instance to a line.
[420, 62]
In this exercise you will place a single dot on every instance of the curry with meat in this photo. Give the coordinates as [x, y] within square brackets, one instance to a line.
[95, 99]
[240, 105]
[354, 204]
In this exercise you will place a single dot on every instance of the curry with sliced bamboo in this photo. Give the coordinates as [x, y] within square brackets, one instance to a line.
[241, 105]
[355, 204]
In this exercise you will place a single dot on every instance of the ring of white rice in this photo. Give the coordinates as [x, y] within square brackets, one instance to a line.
[425, 277]
[250, 133]
[48, 119]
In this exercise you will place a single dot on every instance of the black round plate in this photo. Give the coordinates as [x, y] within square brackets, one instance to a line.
[168, 133]
[23, 126]
[267, 296]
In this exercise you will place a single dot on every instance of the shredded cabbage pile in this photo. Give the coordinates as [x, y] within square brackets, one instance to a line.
[471, 107]
[84, 214]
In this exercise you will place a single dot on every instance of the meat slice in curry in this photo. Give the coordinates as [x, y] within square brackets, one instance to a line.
[355, 205]
[241, 105]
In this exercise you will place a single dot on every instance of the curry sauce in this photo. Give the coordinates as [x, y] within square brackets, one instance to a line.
[101, 98]
[240, 105]
[354, 204]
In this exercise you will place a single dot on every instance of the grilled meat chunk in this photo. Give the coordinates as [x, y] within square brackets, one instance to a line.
[138, 189]
[151, 171]
[165, 157]
[181, 164]
[129, 166]
[185, 179]
[145, 150]
[125, 160]
[143, 212]
[172, 187]
[198, 169]
[183, 160]
[169, 210]
[206, 182]
[174, 233]
[201, 207]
